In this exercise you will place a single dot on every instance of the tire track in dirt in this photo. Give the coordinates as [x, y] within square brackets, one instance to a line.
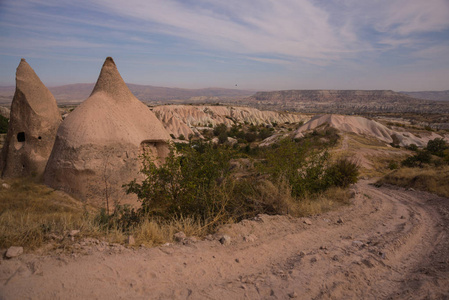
[389, 244]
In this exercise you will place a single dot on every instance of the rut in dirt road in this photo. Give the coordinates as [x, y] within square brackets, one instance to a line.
[389, 244]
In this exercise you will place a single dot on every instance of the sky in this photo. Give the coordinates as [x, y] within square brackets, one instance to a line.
[402, 45]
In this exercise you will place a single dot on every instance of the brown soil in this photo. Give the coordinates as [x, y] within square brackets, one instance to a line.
[389, 244]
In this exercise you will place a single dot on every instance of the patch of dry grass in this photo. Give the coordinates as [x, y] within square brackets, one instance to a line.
[431, 179]
[30, 212]
[373, 156]
[32, 215]
[37, 217]
[332, 199]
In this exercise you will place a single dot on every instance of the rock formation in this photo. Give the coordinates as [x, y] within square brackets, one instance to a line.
[34, 120]
[5, 112]
[98, 145]
[366, 127]
[183, 119]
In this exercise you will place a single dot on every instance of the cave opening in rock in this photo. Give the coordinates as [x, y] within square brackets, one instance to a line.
[21, 137]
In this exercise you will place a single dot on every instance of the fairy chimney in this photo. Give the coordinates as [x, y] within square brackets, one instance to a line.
[34, 120]
[98, 145]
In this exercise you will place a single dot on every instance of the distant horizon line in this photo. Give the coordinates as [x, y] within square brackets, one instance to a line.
[249, 90]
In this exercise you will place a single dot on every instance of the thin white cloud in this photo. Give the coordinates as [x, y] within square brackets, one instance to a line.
[406, 17]
[297, 29]
[292, 28]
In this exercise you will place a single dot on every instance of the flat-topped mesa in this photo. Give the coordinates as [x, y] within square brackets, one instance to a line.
[34, 120]
[98, 145]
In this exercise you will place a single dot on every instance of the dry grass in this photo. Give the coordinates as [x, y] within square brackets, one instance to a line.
[431, 179]
[332, 199]
[372, 155]
[33, 215]
[37, 217]
[153, 232]
[30, 212]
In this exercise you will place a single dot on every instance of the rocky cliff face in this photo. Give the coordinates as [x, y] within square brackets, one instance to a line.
[430, 95]
[323, 95]
[344, 101]
[183, 119]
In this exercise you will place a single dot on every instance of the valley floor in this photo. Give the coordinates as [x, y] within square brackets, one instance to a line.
[389, 244]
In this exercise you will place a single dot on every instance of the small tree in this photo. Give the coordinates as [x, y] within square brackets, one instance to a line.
[437, 146]
[220, 128]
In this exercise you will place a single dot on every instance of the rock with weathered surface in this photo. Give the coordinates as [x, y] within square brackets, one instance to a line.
[98, 145]
[179, 236]
[365, 127]
[14, 252]
[225, 240]
[34, 120]
[184, 119]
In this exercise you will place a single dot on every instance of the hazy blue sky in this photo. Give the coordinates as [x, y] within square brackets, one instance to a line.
[257, 44]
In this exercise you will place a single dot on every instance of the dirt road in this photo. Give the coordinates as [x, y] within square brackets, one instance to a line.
[390, 244]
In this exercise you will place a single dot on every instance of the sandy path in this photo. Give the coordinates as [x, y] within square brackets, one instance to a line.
[391, 244]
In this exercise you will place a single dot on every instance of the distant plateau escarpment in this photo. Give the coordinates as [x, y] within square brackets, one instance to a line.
[344, 102]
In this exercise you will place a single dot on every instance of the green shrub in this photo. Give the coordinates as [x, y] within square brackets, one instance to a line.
[222, 137]
[250, 137]
[342, 173]
[412, 147]
[3, 124]
[196, 181]
[303, 167]
[264, 133]
[185, 183]
[220, 128]
[417, 160]
[392, 165]
[437, 146]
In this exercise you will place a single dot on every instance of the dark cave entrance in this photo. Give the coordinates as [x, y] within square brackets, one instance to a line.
[21, 137]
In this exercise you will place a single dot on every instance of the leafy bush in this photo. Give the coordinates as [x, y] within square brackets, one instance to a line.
[437, 146]
[342, 173]
[196, 181]
[220, 128]
[222, 137]
[417, 160]
[302, 167]
[392, 165]
[264, 133]
[412, 147]
[185, 183]
[3, 124]
[250, 137]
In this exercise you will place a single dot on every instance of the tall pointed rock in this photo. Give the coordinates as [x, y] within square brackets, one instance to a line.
[34, 120]
[98, 145]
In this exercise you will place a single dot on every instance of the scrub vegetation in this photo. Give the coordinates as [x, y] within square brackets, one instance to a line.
[199, 186]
